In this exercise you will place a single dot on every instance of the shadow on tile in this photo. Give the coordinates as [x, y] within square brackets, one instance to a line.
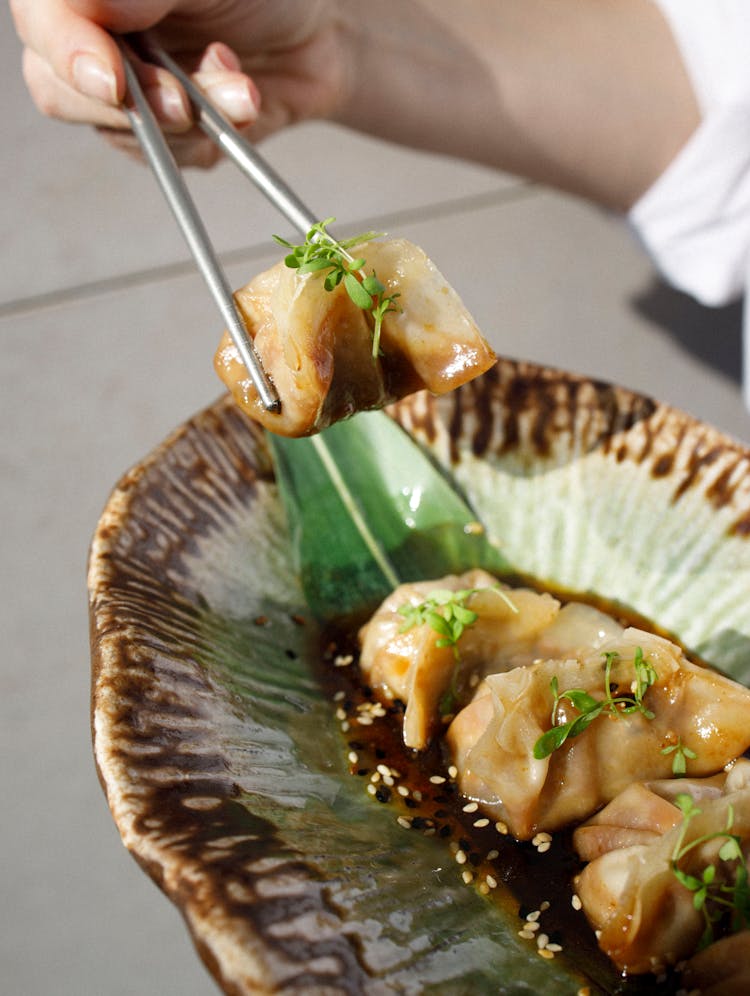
[712, 335]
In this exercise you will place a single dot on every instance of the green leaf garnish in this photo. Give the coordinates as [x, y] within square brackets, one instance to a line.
[682, 754]
[590, 708]
[367, 509]
[321, 251]
[447, 613]
[719, 897]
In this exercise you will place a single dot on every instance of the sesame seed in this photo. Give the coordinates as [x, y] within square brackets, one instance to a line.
[402, 790]
[468, 877]
[437, 779]
[491, 855]
[471, 807]
[430, 832]
[541, 838]
[531, 917]
[461, 856]
[353, 757]
[575, 902]
[453, 771]
[501, 827]
[542, 940]
[403, 822]
[546, 953]
[531, 925]
[483, 888]
[417, 795]
[484, 822]
[383, 769]
[544, 906]
[491, 881]
[554, 947]
[345, 726]
[544, 847]
[526, 934]
[343, 660]
[340, 713]
[364, 720]
[375, 777]
[371, 789]
[339, 696]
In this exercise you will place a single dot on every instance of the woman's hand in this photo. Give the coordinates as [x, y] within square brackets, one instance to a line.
[586, 96]
[74, 71]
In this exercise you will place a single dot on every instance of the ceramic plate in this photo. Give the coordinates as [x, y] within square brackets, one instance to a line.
[221, 753]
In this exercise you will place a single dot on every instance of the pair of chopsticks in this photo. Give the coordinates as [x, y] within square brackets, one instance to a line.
[241, 152]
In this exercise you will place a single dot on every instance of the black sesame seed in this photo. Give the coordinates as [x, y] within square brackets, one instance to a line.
[383, 794]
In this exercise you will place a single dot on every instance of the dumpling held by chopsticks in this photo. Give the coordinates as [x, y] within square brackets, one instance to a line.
[332, 350]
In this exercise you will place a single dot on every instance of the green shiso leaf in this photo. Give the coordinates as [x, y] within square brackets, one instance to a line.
[367, 510]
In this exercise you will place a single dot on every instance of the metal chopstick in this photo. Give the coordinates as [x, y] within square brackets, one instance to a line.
[240, 151]
[162, 162]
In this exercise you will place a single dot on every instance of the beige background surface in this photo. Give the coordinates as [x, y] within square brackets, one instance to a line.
[107, 339]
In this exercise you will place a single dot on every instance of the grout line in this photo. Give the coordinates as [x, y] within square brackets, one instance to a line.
[170, 271]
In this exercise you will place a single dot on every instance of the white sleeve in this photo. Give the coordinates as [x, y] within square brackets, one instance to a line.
[695, 219]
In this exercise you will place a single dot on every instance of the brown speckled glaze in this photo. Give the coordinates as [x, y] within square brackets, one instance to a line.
[173, 555]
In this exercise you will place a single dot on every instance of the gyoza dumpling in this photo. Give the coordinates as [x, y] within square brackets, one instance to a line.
[492, 740]
[645, 918]
[722, 969]
[407, 664]
[316, 345]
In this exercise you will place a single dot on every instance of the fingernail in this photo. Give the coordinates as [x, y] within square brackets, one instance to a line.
[94, 78]
[220, 57]
[170, 104]
[235, 99]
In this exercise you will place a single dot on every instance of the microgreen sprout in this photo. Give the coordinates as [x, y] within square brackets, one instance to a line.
[321, 251]
[590, 708]
[715, 896]
[681, 754]
[447, 613]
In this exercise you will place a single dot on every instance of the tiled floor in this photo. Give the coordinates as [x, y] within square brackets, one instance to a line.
[107, 339]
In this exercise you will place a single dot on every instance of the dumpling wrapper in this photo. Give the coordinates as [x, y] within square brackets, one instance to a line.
[722, 969]
[316, 345]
